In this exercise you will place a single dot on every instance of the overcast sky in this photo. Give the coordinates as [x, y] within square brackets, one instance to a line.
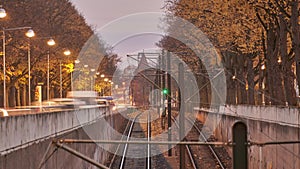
[100, 12]
[107, 13]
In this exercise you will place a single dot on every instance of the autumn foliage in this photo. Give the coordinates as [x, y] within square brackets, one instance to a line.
[58, 19]
[258, 42]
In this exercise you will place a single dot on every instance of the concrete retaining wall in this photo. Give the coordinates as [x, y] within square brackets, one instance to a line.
[36, 132]
[265, 124]
[16, 131]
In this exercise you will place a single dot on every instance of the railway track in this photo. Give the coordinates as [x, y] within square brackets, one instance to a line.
[200, 156]
[204, 155]
[191, 158]
[134, 156]
[138, 156]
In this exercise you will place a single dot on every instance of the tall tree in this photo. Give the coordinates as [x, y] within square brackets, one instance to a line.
[233, 29]
[58, 19]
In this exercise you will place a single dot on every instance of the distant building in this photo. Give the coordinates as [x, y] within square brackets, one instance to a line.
[140, 86]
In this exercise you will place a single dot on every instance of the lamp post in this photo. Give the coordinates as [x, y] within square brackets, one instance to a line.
[85, 79]
[92, 78]
[50, 42]
[77, 61]
[66, 53]
[29, 32]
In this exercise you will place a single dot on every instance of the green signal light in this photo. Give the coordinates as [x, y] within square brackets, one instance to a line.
[165, 91]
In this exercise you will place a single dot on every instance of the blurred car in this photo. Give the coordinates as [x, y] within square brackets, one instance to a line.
[87, 96]
[103, 102]
[68, 102]
[109, 99]
[44, 103]
[43, 106]
[106, 97]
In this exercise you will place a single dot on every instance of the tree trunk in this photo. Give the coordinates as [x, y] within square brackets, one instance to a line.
[230, 87]
[274, 82]
[242, 94]
[203, 84]
[240, 87]
[12, 96]
[277, 78]
[18, 102]
[296, 38]
[286, 72]
[23, 95]
[269, 70]
[1, 96]
[262, 73]
[229, 72]
[250, 79]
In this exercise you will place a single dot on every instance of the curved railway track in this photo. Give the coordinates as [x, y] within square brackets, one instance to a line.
[134, 156]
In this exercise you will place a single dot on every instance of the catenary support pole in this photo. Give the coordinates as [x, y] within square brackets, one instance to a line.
[169, 101]
[181, 113]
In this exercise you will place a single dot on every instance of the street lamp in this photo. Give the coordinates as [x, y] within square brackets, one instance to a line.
[29, 33]
[50, 42]
[77, 61]
[2, 12]
[66, 53]
[85, 69]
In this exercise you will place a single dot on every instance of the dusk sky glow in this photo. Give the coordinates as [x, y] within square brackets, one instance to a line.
[101, 13]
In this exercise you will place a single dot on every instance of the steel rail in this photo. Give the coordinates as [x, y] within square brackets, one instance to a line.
[209, 146]
[192, 160]
[115, 154]
[126, 145]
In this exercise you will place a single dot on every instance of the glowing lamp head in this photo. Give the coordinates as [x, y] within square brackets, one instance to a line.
[30, 33]
[2, 13]
[51, 42]
[67, 52]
